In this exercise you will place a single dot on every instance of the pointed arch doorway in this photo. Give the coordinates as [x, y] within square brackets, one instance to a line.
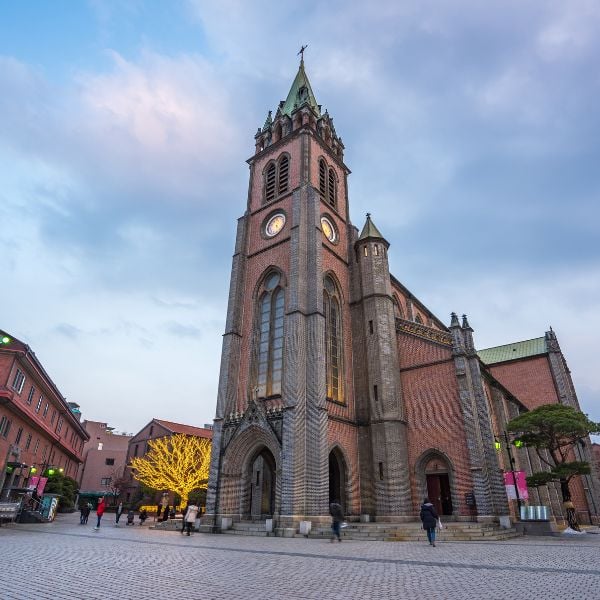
[262, 485]
[439, 492]
[337, 478]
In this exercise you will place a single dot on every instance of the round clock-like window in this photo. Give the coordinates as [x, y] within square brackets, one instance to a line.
[274, 225]
[328, 229]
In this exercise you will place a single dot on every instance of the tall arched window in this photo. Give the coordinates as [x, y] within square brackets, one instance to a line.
[284, 169]
[398, 312]
[270, 337]
[333, 341]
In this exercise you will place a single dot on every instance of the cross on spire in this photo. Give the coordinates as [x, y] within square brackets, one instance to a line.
[301, 52]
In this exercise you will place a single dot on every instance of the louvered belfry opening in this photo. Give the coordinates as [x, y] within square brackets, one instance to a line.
[284, 168]
[331, 188]
[322, 177]
[270, 183]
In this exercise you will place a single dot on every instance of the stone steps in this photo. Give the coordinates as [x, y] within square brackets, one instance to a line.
[405, 532]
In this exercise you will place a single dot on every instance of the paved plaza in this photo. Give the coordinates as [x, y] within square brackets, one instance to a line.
[67, 560]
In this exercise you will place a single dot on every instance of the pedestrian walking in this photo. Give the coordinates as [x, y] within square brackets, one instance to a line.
[130, 517]
[189, 518]
[99, 512]
[143, 516]
[87, 509]
[337, 516]
[82, 514]
[183, 513]
[429, 517]
[118, 514]
[166, 511]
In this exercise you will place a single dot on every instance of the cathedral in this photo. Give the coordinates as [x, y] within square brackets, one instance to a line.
[336, 382]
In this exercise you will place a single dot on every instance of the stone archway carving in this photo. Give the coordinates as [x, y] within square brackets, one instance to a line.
[435, 477]
[237, 466]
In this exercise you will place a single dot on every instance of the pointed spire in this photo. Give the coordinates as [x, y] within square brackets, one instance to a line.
[268, 122]
[300, 93]
[465, 323]
[454, 320]
[369, 230]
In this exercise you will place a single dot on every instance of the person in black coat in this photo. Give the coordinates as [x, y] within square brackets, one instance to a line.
[429, 517]
[337, 516]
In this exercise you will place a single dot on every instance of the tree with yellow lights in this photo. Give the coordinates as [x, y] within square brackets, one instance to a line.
[178, 463]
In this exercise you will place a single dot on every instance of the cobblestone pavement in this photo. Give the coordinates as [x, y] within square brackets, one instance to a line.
[66, 560]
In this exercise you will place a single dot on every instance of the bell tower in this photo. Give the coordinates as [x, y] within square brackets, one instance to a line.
[286, 365]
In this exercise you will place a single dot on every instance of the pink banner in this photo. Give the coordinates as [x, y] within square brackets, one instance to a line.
[509, 483]
[41, 485]
[33, 482]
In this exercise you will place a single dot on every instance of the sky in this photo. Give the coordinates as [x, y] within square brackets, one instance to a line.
[472, 130]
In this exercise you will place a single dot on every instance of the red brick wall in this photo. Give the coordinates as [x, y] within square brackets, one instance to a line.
[433, 414]
[530, 380]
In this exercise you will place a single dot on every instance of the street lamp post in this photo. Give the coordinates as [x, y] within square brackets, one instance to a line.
[512, 470]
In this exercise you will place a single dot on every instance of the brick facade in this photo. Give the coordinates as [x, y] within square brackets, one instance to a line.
[104, 461]
[420, 411]
[38, 428]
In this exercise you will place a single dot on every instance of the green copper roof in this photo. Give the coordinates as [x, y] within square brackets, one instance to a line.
[369, 230]
[524, 349]
[300, 93]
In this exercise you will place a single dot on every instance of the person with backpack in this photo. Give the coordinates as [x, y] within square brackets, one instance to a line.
[429, 517]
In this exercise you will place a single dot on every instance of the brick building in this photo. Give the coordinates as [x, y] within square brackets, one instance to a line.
[38, 428]
[104, 462]
[336, 381]
[138, 446]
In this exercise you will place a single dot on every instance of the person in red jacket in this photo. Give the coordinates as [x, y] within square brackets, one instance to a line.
[99, 512]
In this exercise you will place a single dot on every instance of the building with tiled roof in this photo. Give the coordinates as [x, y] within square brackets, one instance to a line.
[39, 430]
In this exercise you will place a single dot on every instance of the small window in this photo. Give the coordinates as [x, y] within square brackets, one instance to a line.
[53, 417]
[37, 445]
[418, 319]
[151, 429]
[381, 471]
[39, 404]
[44, 453]
[46, 409]
[19, 434]
[371, 327]
[31, 393]
[4, 426]
[376, 250]
[366, 250]
[375, 393]
[105, 480]
[59, 425]
[28, 442]
[18, 381]
[109, 461]
[135, 450]
[100, 445]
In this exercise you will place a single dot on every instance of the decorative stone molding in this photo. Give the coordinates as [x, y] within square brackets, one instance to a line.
[433, 335]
